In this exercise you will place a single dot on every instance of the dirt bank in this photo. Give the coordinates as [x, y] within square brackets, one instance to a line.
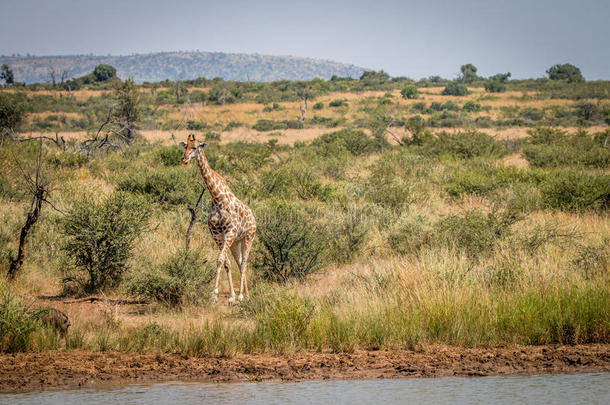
[25, 371]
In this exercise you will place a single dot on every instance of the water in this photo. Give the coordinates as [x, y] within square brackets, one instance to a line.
[537, 389]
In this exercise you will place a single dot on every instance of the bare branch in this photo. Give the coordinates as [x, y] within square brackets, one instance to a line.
[193, 219]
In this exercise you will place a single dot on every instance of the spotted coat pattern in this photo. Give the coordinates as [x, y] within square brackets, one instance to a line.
[231, 222]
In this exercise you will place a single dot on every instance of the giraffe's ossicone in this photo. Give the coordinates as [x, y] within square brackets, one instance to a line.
[231, 222]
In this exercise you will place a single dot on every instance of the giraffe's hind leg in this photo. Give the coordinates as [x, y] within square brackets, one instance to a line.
[237, 250]
[245, 247]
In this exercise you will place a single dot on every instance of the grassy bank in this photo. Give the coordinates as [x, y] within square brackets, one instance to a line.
[454, 238]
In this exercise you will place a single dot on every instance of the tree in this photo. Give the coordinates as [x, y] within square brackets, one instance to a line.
[39, 189]
[469, 73]
[52, 75]
[455, 89]
[127, 111]
[103, 73]
[409, 92]
[567, 72]
[495, 86]
[496, 83]
[100, 237]
[374, 79]
[180, 91]
[304, 93]
[13, 108]
[501, 77]
[6, 74]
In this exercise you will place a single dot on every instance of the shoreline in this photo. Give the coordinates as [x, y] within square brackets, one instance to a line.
[80, 368]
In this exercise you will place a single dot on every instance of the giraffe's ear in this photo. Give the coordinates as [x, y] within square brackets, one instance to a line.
[183, 144]
[203, 145]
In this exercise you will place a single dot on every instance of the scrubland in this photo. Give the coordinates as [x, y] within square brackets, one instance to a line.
[485, 225]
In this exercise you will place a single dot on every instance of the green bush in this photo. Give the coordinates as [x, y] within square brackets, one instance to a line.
[239, 157]
[455, 89]
[290, 243]
[567, 72]
[100, 238]
[192, 125]
[356, 142]
[418, 107]
[13, 109]
[531, 114]
[172, 185]
[409, 92]
[410, 234]
[483, 178]
[473, 232]
[327, 121]
[348, 232]
[495, 86]
[103, 73]
[471, 106]
[170, 155]
[395, 181]
[571, 190]
[296, 181]
[318, 106]
[269, 125]
[337, 103]
[463, 145]
[548, 147]
[183, 279]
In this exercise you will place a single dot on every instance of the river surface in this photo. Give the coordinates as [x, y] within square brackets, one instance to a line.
[545, 389]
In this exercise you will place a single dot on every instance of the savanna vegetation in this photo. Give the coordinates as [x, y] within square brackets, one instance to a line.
[395, 214]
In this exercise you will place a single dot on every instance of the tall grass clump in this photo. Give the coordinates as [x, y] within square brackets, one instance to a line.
[593, 260]
[99, 240]
[282, 320]
[17, 324]
[348, 230]
[184, 278]
[473, 232]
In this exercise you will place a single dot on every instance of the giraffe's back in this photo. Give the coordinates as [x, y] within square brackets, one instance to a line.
[234, 216]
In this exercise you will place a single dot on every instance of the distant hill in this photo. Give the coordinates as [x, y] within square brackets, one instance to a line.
[182, 66]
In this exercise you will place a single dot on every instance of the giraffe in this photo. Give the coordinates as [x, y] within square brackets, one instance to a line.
[231, 222]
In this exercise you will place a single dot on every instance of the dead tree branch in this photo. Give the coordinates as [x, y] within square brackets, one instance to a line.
[40, 191]
[397, 139]
[193, 211]
[91, 299]
[59, 141]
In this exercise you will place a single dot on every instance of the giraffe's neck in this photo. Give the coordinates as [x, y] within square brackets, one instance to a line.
[219, 191]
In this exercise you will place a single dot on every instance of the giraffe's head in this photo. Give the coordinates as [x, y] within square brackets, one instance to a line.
[190, 148]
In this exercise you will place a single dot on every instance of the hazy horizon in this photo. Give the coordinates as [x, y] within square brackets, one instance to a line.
[403, 38]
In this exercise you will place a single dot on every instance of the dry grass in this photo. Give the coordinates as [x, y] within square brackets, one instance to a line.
[380, 299]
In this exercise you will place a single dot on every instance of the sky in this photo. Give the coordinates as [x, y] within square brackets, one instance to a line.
[405, 38]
